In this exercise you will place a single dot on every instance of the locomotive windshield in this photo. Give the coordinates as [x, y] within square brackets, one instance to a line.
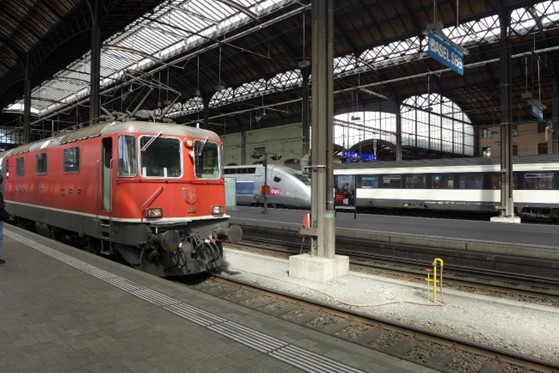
[206, 160]
[160, 157]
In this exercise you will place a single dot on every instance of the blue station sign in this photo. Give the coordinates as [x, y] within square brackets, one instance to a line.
[445, 52]
[359, 156]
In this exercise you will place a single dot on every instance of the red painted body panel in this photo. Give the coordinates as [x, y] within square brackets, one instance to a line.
[81, 192]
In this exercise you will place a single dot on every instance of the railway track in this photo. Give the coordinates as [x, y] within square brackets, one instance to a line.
[421, 346]
[501, 284]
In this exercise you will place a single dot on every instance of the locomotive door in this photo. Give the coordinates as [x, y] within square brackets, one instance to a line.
[8, 183]
[106, 175]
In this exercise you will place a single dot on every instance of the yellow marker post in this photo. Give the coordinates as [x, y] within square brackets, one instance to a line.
[434, 281]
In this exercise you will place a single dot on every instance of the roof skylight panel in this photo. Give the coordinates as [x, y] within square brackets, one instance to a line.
[344, 63]
[217, 11]
[288, 79]
[522, 21]
[475, 31]
[221, 97]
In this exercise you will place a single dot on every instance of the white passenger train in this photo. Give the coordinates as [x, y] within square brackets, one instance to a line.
[459, 184]
[288, 187]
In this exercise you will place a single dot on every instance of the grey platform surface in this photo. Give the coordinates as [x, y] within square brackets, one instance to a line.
[64, 310]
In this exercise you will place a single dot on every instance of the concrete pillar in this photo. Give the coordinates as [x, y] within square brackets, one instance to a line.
[505, 84]
[321, 264]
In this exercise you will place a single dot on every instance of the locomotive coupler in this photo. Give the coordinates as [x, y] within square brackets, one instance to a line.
[234, 233]
[168, 240]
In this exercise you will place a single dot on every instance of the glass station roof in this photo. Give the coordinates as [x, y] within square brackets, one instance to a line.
[183, 25]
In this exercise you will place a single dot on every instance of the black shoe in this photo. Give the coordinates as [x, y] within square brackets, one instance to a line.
[2, 261]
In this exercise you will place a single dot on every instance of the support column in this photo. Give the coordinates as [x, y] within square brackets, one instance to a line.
[243, 145]
[505, 81]
[206, 103]
[555, 114]
[305, 122]
[398, 131]
[95, 72]
[322, 264]
[27, 104]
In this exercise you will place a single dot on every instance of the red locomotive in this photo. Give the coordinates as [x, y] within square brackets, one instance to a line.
[152, 192]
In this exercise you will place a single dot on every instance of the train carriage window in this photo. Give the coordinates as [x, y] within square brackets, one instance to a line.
[471, 181]
[72, 160]
[415, 182]
[494, 181]
[442, 181]
[245, 188]
[20, 166]
[368, 181]
[41, 164]
[392, 181]
[127, 165]
[206, 160]
[160, 157]
[540, 180]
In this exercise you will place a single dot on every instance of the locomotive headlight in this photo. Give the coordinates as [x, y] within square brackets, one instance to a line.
[217, 210]
[154, 212]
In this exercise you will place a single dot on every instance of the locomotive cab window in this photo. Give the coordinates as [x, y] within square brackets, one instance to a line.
[160, 157]
[41, 164]
[206, 160]
[20, 166]
[72, 160]
[127, 166]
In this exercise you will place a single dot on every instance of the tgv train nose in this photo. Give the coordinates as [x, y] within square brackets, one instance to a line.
[306, 198]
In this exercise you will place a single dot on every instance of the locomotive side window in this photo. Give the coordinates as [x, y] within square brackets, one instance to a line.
[41, 164]
[20, 167]
[540, 180]
[72, 160]
[127, 165]
[206, 160]
[160, 157]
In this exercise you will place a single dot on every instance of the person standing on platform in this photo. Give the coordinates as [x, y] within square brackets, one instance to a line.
[4, 216]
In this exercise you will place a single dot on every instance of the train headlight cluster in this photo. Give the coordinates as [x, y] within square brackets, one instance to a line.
[156, 212]
[217, 210]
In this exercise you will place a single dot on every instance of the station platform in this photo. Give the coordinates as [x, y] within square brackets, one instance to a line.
[476, 233]
[65, 310]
